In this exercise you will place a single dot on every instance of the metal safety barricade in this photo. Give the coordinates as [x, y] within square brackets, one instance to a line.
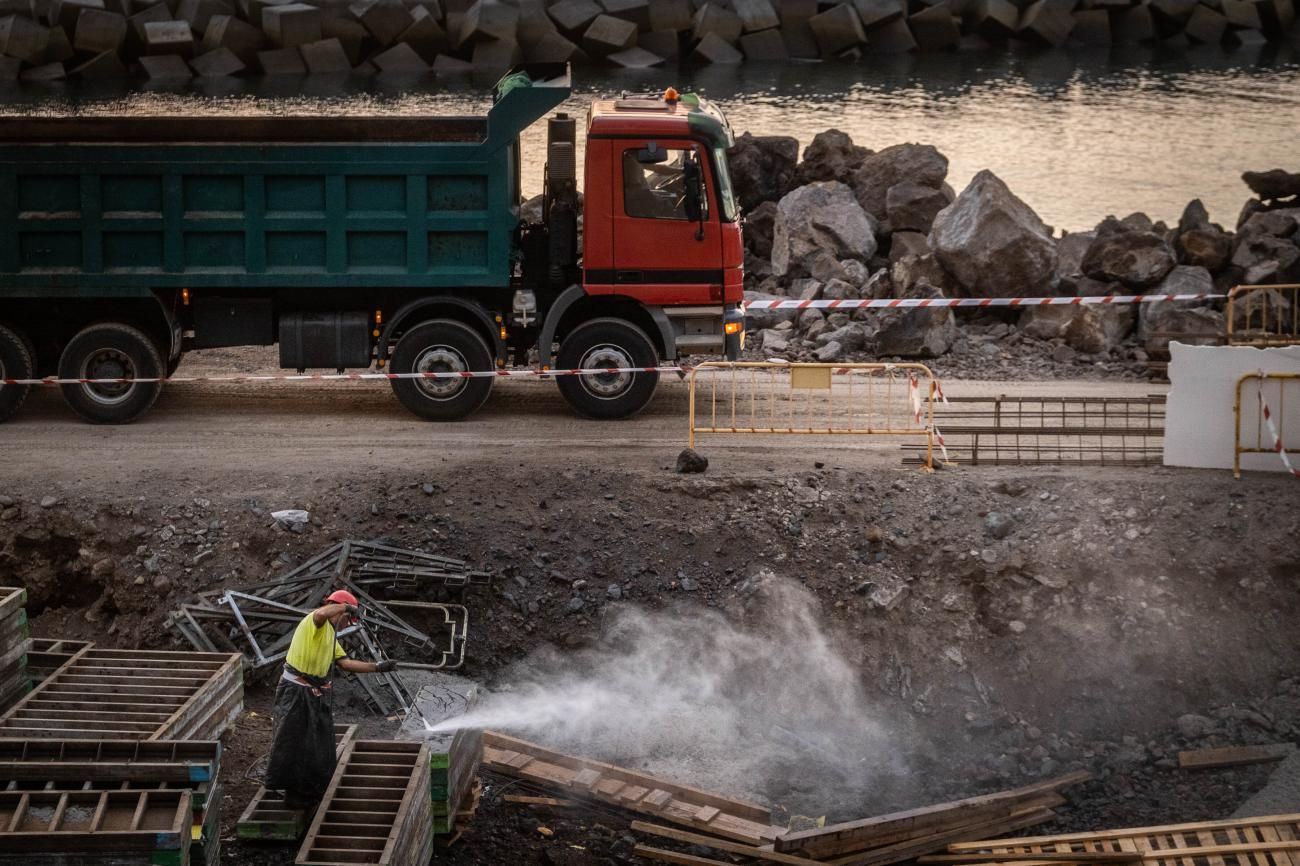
[1263, 316]
[1260, 417]
[777, 397]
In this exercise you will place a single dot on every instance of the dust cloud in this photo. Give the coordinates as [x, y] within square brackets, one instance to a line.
[765, 707]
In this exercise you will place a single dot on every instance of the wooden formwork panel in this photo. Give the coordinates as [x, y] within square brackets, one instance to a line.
[1272, 840]
[47, 655]
[132, 694]
[63, 762]
[268, 818]
[15, 644]
[95, 822]
[376, 810]
[650, 795]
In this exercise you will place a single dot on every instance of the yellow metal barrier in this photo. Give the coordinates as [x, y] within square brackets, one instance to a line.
[813, 399]
[1264, 442]
[1263, 316]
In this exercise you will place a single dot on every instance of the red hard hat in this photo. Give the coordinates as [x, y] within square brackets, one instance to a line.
[342, 596]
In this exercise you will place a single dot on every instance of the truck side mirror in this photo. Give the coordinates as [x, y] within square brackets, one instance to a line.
[651, 154]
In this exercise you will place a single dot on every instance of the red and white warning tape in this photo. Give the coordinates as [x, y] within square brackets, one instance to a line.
[1273, 431]
[347, 377]
[904, 303]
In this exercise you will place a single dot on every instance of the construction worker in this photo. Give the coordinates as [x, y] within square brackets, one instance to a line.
[302, 747]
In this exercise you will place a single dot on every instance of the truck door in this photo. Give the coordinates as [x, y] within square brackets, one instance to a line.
[661, 256]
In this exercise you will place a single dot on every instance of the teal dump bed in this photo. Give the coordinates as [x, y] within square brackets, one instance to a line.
[119, 206]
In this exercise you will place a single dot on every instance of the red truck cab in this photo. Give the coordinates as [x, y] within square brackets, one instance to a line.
[662, 242]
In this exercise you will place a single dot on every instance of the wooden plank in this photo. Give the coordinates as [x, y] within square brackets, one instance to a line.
[673, 857]
[910, 848]
[720, 844]
[522, 800]
[1131, 832]
[1041, 856]
[1233, 756]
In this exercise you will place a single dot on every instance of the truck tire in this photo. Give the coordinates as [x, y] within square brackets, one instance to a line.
[15, 363]
[111, 350]
[607, 343]
[441, 346]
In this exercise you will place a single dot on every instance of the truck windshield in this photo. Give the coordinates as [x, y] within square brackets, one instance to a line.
[726, 197]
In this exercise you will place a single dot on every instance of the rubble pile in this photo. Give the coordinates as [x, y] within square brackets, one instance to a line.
[847, 223]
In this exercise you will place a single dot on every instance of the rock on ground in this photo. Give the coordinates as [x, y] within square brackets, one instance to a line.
[762, 168]
[920, 164]
[1139, 259]
[832, 155]
[994, 243]
[820, 218]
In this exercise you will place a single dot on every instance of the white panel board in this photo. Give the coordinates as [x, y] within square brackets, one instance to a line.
[1203, 385]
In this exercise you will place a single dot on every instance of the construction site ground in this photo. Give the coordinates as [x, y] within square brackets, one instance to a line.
[1006, 623]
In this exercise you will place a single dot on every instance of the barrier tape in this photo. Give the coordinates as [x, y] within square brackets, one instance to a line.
[904, 303]
[1273, 431]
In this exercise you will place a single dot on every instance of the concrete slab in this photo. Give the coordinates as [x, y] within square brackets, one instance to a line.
[756, 15]
[401, 59]
[445, 64]
[634, 58]
[66, 12]
[169, 37]
[45, 72]
[575, 15]
[292, 25]
[219, 62]
[636, 11]
[489, 19]
[199, 12]
[350, 34]
[99, 31]
[166, 67]
[240, 38]
[721, 22]
[873, 13]
[135, 24]
[256, 8]
[764, 46]
[1047, 22]
[714, 49]
[281, 61]
[1091, 27]
[1134, 25]
[496, 54]
[325, 57]
[671, 15]
[799, 40]
[1206, 26]
[59, 47]
[10, 68]
[425, 35]
[837, 29]
[666, 43]
[103, 66]
[894, 37]
[607, 34]
[935, 28]
[551, 48]
[995, 20]
[1199, 422]
[384, 19]
[1242, 13]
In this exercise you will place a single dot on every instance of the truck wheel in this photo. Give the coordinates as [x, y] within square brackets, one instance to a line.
[15, 363]
[441, 346]
[110, 350]
[607, 343]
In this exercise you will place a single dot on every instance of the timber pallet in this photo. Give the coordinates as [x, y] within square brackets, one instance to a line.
[452, 778]
[114, 828]
[109, 761]
[744, 822]
[906, 835]
[376, 809]
[269, 819]
[461, 818]
[132, 695]
[1273, 840]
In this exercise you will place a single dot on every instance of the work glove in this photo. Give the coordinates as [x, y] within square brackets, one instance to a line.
[352, 611]
[386, 666]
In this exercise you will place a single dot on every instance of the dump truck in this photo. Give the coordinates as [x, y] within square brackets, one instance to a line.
[393, 243]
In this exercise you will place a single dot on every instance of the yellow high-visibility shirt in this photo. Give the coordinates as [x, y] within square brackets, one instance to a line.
[309, 652]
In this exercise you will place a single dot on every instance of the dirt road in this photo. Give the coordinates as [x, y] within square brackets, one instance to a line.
[303, 429]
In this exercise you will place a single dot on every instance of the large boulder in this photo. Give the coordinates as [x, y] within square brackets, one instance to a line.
[1273, 184]
[1091, 329]
[832, 155]
[912, 207]
[994, 243]
[917, 332]
[1192, 322]
[918, 163]
[760, 223]
[821, 217]
[1267, 259]
[1199, 242]
[1138, 259]
[762, 168]
[1070, 250]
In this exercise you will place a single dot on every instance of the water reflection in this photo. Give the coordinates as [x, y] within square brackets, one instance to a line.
[1077, 134]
